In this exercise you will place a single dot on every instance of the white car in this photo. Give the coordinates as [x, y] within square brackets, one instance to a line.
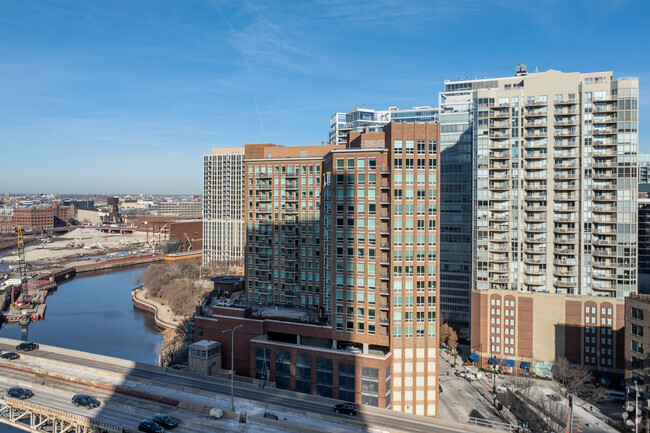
[501, 388]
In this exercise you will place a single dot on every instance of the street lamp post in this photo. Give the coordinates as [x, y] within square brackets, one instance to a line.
[636, 407]
[232, 365]
[494, 377]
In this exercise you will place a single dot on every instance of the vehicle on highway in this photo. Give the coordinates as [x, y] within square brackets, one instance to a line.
[20, 393]
[85, 400]
[27, 346]
[149, 426]
[10, 355]
[165, 420]
[346, 408]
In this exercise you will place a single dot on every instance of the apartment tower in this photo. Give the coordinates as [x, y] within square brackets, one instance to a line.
[554, 214]
[371, 207]
[223, 205]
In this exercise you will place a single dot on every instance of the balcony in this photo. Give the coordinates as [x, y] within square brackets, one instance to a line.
[566, 132]
[531, 186]
[499, 155]
[566, 197]
[500, 227]
[604, 174]
[605, 185]
[535, 155]
[536, 113]
[565, 251]
[534, 133]
[500, 114]
[604, 252]
[535, 250]
[565, 208]
[565, 112]
[562, 165]
[535, 239]
[536, 196]
[565, 175]
[565, 186]
[535, 144]
[534, 259]
[529, 228]
[564, 240]
[564, 144]
[605, 108]
[537, 103]
[565, 229]
[571, 121]
[604, 208]
[499, 135]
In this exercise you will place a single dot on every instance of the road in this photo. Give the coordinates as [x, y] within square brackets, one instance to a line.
[373, 418]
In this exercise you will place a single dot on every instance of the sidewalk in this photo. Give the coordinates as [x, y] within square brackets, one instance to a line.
[163, 315]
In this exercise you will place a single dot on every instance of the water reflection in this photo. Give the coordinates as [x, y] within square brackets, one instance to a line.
[95, 314]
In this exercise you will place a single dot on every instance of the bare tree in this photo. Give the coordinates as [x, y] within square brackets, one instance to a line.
[576, 380]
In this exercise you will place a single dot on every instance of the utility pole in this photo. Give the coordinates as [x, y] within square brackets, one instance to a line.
[232, 365]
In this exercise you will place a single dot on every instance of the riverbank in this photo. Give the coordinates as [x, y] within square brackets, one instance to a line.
[163, 315]
[116, 263]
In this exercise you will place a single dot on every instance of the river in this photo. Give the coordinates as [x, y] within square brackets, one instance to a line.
[95, 314]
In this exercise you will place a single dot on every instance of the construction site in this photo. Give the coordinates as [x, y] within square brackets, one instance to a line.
[35, 265]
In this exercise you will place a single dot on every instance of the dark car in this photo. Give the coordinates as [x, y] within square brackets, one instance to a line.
[85, 400]
[27, 346]
[149, 426]
[346, 408]
[165, 420]
[20, 393]
[10, 355]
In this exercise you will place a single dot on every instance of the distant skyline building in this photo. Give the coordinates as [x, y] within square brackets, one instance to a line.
[223, 205]
[189, 209]
[366, 119]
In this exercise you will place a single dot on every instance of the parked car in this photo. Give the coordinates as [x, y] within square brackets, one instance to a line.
[27, 346]
[165, 420]
[10, 355]
[440, 388]
[501, 388]
[149, 426]
[352, 349]
[20, 393]
[346, 408]
[85, 400]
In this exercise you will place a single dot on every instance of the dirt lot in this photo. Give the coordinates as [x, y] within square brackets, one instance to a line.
[77, 243]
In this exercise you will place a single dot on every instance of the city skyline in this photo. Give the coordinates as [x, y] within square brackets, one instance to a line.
[99, 99]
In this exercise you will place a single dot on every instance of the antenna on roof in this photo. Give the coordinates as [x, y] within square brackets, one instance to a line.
[536, 70]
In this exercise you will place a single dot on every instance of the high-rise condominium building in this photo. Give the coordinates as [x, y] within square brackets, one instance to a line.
[371, 207]
[365, 119]
[554, 213]
[644, 167]
[223, 205]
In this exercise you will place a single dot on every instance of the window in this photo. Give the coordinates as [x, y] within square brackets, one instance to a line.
[637, 330]
[637, 313]
[637, 346]
[346, 382]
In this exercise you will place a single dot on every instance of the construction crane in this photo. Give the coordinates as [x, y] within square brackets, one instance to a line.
[21, 262]
[21, 254]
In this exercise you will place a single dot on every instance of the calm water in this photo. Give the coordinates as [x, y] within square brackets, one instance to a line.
[95, 314]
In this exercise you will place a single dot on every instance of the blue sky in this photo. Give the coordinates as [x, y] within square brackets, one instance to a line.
[126, 96]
